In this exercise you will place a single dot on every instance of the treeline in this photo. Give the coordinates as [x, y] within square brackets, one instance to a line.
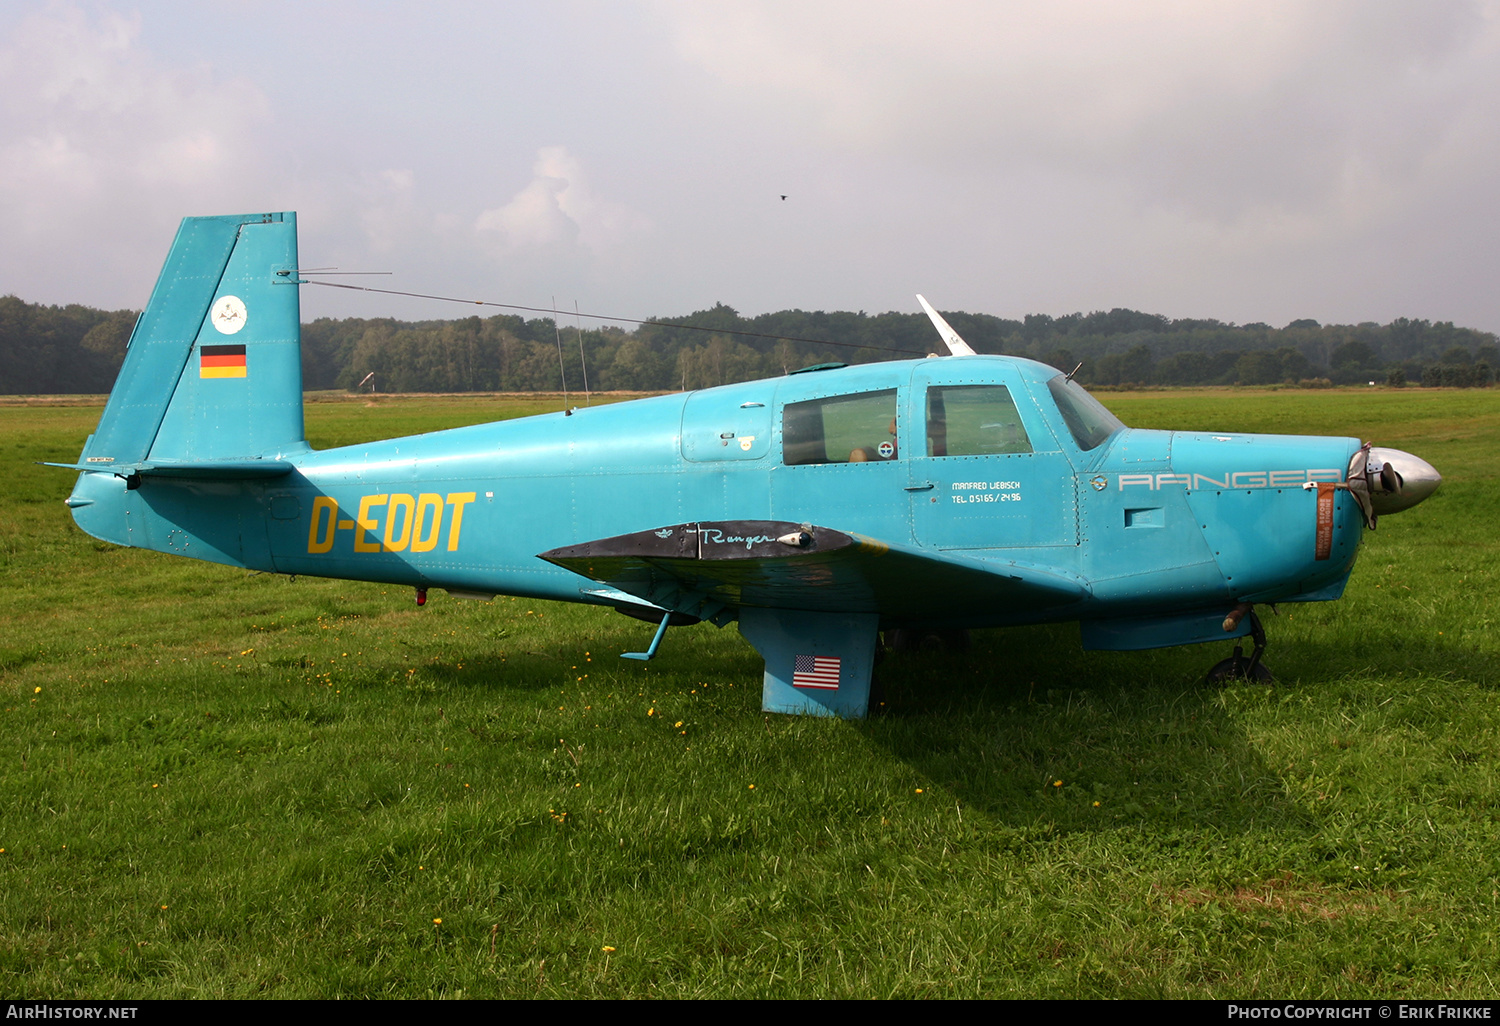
[1303, 353]
[58, 349]
[718, 346]
[49, 349]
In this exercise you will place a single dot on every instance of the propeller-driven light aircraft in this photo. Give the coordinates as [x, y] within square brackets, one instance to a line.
[816, 509]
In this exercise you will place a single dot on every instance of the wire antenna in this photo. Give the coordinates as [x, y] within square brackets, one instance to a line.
[614, 319]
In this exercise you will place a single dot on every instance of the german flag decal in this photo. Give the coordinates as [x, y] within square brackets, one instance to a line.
[221, 362]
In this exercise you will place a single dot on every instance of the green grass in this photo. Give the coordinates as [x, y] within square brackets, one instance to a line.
[214, 783]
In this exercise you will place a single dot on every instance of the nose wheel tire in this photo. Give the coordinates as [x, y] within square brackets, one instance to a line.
[1238, 668]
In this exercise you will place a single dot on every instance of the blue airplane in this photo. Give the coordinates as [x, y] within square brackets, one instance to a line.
[921, 497]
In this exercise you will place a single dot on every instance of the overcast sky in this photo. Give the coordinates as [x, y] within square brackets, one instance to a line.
[1251, 161]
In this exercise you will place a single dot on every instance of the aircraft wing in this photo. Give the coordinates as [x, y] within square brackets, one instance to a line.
[705, 568]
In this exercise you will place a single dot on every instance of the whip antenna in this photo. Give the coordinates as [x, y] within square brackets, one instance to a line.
[560, 368]
[588, 400]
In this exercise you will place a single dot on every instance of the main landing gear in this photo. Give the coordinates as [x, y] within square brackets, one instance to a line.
[910, 639]
[1237, 667]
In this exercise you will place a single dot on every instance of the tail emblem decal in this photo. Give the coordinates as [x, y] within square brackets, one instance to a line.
[221, 362]
[228, 314]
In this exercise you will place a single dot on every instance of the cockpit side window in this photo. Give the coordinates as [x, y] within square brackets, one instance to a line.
[840, 429]
[1090, 423]
[973, 420]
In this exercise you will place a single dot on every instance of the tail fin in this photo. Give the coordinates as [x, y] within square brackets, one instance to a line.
[213, 371]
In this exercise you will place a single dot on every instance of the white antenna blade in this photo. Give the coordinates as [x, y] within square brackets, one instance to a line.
[956, 345]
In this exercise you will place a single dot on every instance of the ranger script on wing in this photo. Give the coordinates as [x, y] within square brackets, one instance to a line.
[924, 497]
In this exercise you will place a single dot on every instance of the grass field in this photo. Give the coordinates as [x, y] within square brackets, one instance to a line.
[219, 784]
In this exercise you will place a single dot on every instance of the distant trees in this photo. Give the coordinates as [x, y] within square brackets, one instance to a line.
[1458, 375]
[55, 349]
[47, 349]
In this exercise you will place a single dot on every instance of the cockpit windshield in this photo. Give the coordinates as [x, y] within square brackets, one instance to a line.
[1088, 420]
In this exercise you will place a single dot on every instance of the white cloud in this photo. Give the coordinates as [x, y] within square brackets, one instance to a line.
[96, 134]
[388, 212]
[558, 208]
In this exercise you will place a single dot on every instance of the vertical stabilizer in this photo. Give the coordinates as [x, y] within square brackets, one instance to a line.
[214, 369]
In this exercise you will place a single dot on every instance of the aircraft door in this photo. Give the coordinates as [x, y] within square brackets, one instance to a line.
[987, 473]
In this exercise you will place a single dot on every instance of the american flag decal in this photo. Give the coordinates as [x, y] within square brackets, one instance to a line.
[816, 672]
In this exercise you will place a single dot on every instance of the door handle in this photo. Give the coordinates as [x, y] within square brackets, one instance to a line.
[920, 487]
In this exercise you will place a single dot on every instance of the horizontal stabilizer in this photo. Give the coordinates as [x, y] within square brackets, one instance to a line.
[202, 470]
[701, 568]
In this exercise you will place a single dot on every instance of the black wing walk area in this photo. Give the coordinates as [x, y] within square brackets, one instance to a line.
[709, 567]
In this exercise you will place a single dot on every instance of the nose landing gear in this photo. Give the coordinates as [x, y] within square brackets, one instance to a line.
[1237, 667]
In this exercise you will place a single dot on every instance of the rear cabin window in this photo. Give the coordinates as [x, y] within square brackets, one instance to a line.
[840, 429]
[973, 420]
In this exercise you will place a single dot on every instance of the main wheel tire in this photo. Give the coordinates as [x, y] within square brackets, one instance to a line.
[907, 639]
